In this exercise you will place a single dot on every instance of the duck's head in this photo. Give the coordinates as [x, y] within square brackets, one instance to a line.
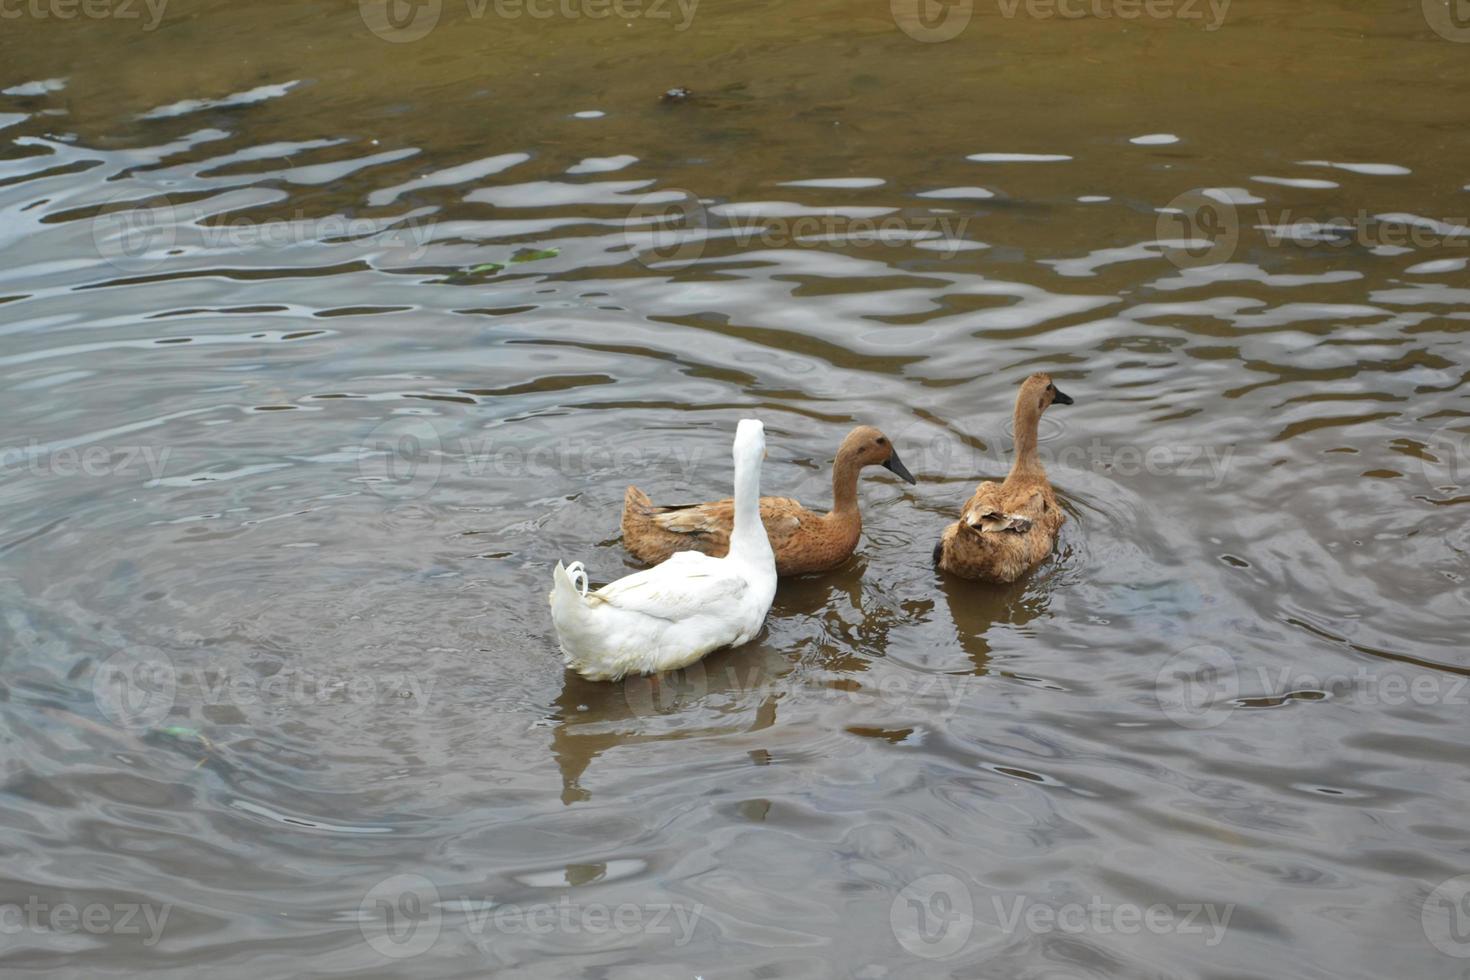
[750, 440]
[1038, 391]
[867, 446]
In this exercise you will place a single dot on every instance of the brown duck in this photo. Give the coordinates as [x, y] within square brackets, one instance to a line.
[804, 540]
[1007, 528]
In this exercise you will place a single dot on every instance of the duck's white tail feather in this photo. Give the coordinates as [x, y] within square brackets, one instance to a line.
[577, 572]
[568, 592]
[577, 626]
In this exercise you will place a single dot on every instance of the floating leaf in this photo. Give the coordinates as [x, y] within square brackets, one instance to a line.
[531, 255]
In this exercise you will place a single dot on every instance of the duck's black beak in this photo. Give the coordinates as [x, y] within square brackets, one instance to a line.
[1061, 399]
[896, 465]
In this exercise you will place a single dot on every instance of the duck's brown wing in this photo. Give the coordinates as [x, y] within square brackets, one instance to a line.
[713, 522]
[784, 519]
[994, 508]
[986, 500]
[653, 533]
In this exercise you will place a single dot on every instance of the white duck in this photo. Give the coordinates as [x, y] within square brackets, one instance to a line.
[673, 614]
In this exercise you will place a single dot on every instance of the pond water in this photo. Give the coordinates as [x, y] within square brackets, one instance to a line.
[328, 329]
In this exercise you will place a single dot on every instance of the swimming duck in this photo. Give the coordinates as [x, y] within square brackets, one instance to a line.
[1007, 528]
[670, 616]
[803, 540]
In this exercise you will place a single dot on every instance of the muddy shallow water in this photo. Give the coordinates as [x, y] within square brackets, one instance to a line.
[320, 347]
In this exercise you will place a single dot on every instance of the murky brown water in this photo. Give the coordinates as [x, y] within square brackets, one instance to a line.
[319, 350]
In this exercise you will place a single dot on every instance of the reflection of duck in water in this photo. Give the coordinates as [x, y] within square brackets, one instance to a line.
[725, 693]
[974, 612]
[1007, 528]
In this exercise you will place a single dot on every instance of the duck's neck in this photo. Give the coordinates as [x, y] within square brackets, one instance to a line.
[845, 472]
[748, 539]
[1025, 422]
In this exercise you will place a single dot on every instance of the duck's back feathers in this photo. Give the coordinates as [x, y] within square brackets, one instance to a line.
[688, 584]
[653, 533]
[660, 619]
[1002, 533]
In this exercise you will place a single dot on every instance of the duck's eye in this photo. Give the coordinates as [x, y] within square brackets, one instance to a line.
[1051, 388]
[882, 441]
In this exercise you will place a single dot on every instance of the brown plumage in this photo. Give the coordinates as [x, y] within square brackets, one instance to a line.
[804, 540]
[1006, 529]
